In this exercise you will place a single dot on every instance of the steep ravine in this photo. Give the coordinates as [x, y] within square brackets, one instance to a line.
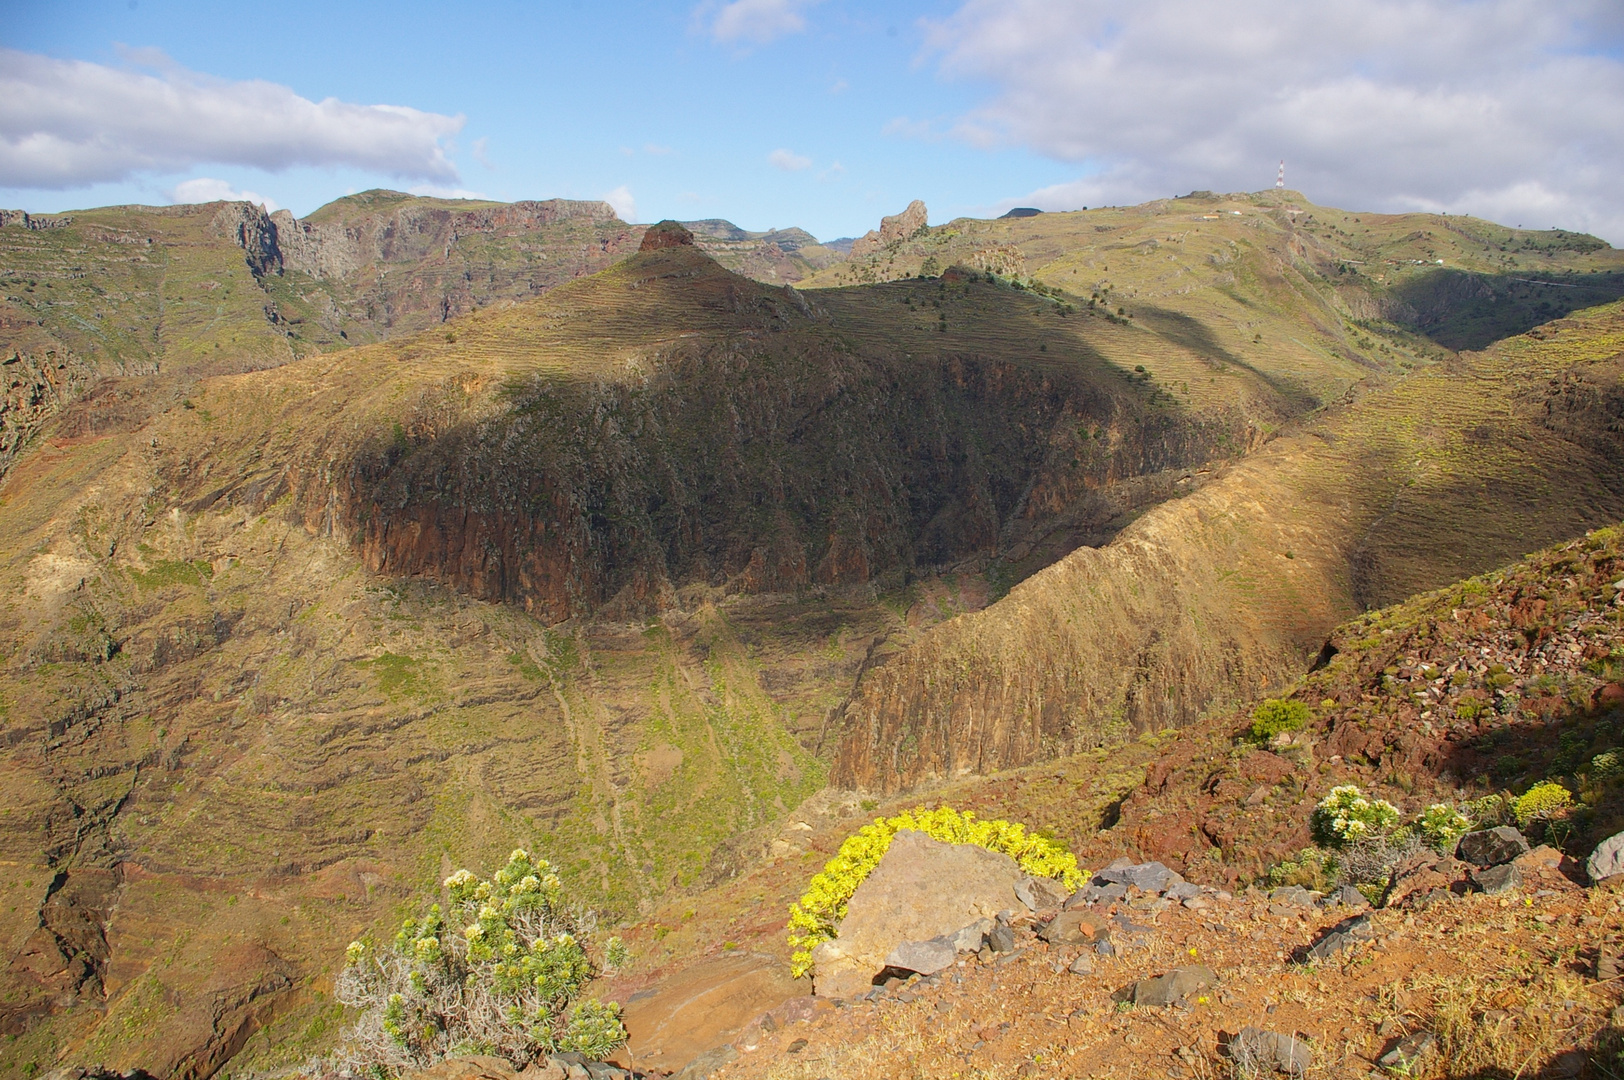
[1214, 598]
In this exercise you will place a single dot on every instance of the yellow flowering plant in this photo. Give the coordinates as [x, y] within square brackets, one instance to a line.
[815, 918]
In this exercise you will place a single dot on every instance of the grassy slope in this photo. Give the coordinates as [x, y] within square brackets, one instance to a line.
[284, 746]
[385, 733]
[1410, 482]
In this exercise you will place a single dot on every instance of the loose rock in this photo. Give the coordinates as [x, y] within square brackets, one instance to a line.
[1410, 1049]
[1334, 940]
[1074, 927]
[925, 957]
[1171, 988]
[1345, 895]
[1497, 879]
[1607, 861]
[1255, 1050]
[1147, 877]
[1491, 847]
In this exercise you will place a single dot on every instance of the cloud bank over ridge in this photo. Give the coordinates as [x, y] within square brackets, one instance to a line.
[1510, 109]
[71, 123]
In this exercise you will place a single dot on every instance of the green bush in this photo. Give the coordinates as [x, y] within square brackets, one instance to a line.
[1276, 716]
[1441, 825]
[499, 972]
[1542, 802]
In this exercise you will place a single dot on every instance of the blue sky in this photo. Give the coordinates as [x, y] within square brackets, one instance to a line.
[579, 99]
[822, 113]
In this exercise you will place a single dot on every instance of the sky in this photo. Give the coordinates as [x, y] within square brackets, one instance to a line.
[824, 114]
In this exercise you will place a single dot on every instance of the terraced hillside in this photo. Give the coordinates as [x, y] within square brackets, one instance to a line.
[623, 571]
[257, 692]
[1216, 597]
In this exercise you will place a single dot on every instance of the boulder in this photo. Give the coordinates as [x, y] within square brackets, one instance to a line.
[1607, 861]
[1494, 880]
[1544, 857]
[544, 1069]
[921, 889]
[1491, 847]
[1171, 988]
[925, 957]
[1256, 1052]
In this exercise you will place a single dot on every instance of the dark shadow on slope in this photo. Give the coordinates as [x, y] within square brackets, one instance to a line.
[1193, 334]
[1459, 310]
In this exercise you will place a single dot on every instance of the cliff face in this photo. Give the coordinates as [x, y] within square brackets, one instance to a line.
[759, 450]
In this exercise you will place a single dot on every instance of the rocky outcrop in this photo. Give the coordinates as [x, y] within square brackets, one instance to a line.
[892, 229]
[666, 234]
[704, 1006]
[922, 889]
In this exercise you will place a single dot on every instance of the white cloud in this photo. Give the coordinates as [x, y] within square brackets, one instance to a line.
[482, 152]
[70, 123]
[788, 160]
[623, 202]
[207, 189]
[756, 22]
[833, 172]
[656, 150]
[1505, 108]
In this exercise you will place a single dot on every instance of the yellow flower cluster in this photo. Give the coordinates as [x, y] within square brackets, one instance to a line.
[1546, 799]
[816, 917]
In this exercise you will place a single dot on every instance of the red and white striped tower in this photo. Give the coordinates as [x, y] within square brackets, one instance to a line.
[1280, 178]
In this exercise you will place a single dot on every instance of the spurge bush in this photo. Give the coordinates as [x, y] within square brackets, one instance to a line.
[498, 972]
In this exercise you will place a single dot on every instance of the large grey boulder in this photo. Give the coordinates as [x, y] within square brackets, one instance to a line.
[1491, 847]
[1607, 861]
[922, 889]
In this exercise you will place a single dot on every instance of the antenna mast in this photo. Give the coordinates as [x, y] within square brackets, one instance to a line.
[1280, 178]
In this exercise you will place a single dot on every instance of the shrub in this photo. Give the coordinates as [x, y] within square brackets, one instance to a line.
[1606, 765]
[1346, 815]
[1541, 802]
[1441, 825]
[498, 972]
[1276, 716]
[815, 918]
